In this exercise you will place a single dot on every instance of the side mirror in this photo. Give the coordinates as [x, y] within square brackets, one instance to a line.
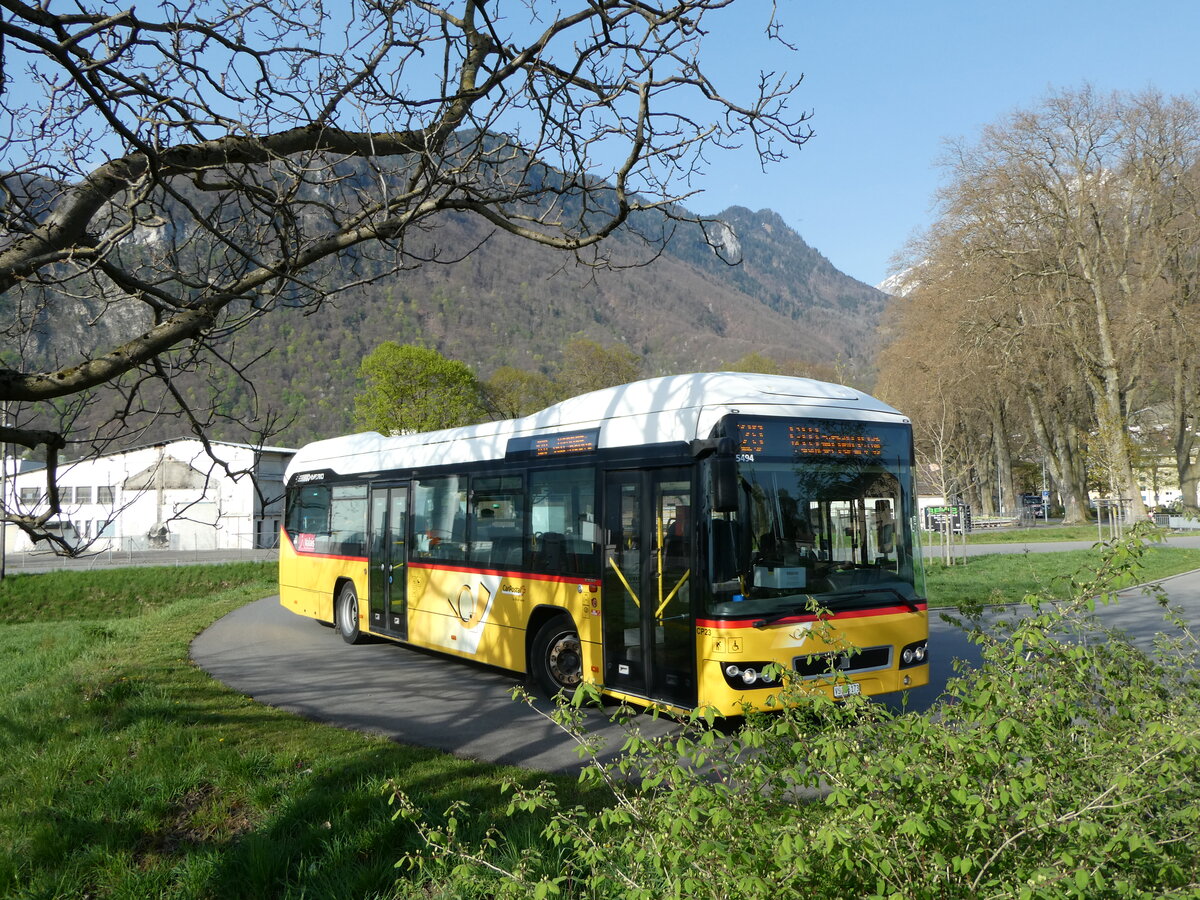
[723, 485]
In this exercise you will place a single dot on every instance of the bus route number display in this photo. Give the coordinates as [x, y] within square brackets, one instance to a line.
[545, 446]
[810, 438]
[814, 440]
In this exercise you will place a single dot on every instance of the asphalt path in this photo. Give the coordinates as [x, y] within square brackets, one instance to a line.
[294, 663]
[291, 662]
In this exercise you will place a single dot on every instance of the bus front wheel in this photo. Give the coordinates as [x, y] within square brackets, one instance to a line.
[346, 615]
[557, 656]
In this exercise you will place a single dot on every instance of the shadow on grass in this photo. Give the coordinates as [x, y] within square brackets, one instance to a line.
[128, 772]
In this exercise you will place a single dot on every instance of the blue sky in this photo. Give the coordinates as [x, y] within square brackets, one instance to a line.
[889, 82]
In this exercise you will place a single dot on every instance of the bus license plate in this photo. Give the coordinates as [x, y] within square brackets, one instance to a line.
[846, 690]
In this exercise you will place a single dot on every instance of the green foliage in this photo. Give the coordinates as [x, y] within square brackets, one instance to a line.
[1066, 765]
[792, 367]
[588, 366]
[585, 366]
[105, 593]
[513, 393]
[127, 772]
[411, 388]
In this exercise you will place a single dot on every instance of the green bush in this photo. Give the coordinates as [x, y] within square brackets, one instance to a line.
[1066, 764]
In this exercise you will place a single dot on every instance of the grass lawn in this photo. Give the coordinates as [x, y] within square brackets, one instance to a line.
[1037, 534]
[1007, 578]
[127, 772]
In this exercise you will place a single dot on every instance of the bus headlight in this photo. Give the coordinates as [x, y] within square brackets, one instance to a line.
[748, 675]
[914, 654]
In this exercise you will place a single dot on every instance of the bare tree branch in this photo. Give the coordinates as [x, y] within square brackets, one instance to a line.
[178, 172]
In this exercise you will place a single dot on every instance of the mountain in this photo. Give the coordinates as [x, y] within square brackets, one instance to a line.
[514, 303]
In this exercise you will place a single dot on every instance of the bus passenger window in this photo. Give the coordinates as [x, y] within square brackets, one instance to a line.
[439, 516]
[348, 520]
[308, 516]
[564, 538]
[497, 521]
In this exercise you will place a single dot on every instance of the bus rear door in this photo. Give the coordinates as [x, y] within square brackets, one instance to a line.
[649, 634]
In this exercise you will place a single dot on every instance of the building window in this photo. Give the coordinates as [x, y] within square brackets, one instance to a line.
[83, 494]
[104, 494]
[30, 497]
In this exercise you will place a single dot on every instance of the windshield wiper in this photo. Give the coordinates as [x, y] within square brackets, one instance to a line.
[861, 592]
[776, 617]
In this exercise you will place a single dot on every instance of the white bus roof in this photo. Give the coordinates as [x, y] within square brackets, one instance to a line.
[663, 410]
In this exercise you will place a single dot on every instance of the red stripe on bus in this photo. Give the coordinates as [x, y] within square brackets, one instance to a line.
[810, 617]
[508, 573]
[309, 554]
[434, 567]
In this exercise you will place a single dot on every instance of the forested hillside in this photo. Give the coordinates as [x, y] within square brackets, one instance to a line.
[514, 303]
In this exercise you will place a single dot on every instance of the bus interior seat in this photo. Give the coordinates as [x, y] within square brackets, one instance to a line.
[506, 550]
[551, 555]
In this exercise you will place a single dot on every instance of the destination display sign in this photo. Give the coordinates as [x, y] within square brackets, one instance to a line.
[545, 446]
[819, 438]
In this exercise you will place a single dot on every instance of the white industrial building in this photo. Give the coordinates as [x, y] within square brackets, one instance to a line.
[168, 495]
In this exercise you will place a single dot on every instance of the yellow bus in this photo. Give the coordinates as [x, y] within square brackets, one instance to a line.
[666, 540]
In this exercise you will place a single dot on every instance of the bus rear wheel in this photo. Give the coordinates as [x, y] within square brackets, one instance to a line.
[557, 657]
[346, 615]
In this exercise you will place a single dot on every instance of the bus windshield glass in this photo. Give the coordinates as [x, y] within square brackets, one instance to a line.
[822, 521]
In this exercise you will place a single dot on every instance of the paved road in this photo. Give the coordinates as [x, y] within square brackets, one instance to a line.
[1136, 613]
[293, 663]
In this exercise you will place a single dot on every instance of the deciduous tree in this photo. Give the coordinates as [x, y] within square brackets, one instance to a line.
[409, 389]
[177, 171]
[513, 392]
[589, 366]
[1081, 214]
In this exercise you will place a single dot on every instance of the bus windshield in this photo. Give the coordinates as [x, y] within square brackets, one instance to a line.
[815, 531]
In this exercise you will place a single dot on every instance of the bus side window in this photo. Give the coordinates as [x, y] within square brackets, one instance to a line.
[348, 520]
[308, 516]
[497, 520]
[439, 516]
[563, 535]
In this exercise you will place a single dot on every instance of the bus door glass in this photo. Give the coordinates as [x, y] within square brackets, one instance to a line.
[649, 643]
[389, 522]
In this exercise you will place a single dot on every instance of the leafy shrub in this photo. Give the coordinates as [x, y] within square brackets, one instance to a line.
[1065, 764]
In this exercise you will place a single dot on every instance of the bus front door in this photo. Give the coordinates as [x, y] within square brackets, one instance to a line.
[649, 634]
[387, 560]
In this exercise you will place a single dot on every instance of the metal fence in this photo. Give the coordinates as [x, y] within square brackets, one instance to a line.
[136, 552]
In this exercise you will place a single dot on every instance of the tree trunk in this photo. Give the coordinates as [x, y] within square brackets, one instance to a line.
[1109, 394]
[1004, 471]
[1063, 459]
[1182, 404]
